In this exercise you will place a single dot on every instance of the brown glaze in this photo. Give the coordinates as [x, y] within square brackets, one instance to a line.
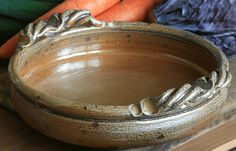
[81, 60]
[113, 68]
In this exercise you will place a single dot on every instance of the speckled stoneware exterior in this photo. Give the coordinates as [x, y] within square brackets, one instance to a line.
[175, 113]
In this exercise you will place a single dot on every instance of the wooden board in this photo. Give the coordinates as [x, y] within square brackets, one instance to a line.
[214, 139]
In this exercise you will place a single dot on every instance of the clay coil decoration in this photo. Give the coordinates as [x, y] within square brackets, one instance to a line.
[55, 24]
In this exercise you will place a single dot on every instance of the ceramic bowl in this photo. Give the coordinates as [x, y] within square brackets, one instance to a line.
[119, 84]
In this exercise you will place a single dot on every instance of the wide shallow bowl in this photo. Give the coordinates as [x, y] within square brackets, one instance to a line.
[98, 84]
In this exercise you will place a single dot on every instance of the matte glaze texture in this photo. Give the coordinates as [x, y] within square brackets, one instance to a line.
[99, 85]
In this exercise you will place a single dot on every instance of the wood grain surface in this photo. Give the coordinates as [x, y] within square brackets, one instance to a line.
[212, 139]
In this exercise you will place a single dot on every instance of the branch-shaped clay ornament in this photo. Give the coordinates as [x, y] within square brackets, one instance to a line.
[56, 24]
[183, 97]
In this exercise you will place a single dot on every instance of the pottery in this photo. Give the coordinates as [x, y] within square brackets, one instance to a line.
[119, 84]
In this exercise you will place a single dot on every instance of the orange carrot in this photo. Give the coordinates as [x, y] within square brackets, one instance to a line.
[128, 10]
[95, 6]
[7, 49]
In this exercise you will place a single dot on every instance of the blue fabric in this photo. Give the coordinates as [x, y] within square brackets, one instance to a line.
[214, 20]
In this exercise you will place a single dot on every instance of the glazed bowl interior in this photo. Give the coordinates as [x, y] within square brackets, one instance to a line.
[113, 67]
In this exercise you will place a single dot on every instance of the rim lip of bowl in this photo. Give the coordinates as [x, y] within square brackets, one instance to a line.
[57, 105]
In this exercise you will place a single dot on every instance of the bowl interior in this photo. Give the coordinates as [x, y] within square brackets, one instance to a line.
[114, 67]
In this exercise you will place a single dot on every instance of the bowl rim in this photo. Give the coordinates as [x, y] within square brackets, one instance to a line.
[72, 108]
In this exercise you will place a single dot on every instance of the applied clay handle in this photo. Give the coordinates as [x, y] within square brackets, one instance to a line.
[184, 96]
[57, 23]
[5, 92]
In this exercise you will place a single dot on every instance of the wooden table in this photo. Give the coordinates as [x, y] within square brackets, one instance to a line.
[213, 139]
[15, 135]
